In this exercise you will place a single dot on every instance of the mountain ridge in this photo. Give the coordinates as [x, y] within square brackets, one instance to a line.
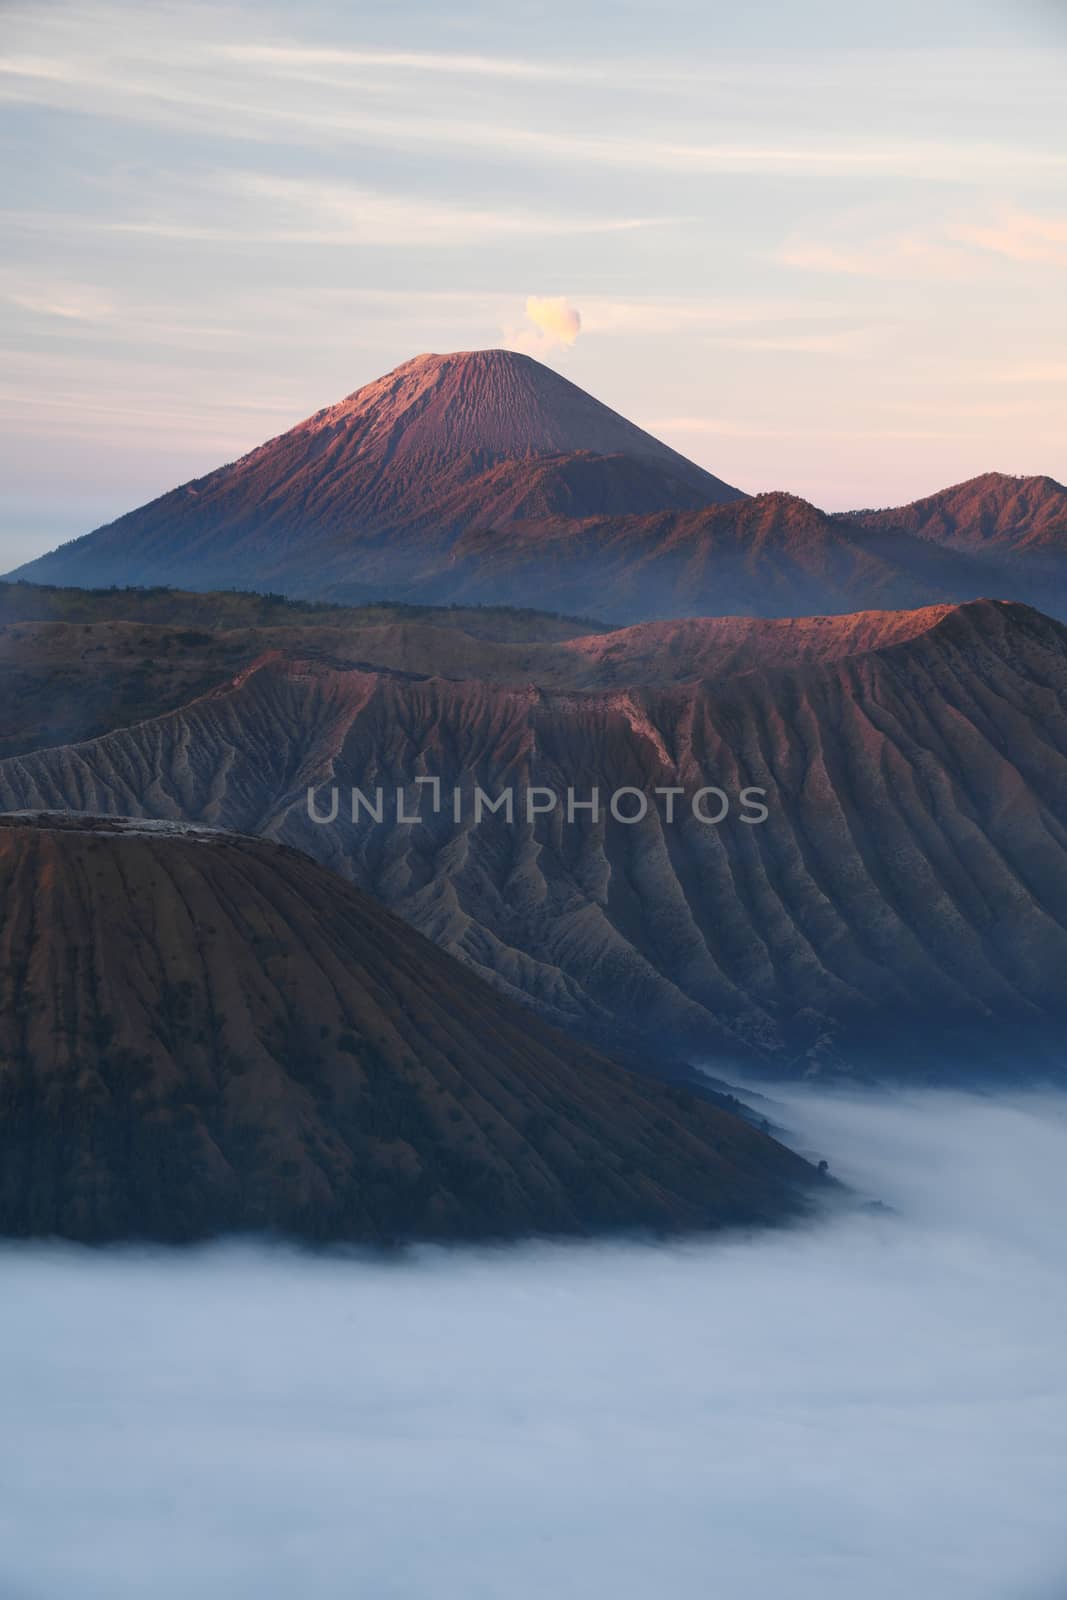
[995, 513]
[913, 866]
[771, 554]
[64, 681]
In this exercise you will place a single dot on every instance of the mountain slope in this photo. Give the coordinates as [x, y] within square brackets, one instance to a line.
[363, 490]
[61, 682]
[771, 555]
[994, 514]
[904, 905]
[202, 1032]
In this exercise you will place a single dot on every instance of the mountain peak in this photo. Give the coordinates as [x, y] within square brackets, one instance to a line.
[367, 490]
[995, 512]
[468, 363]
[498, 405]
[490, 355]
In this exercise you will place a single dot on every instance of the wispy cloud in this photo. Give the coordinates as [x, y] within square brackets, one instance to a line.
[787, 318]
[300, 60]
[320, 212]
[260, 208]
[1021, 236]
[841, 342]
[270, 92]
[1031, 372]
[68, 302]
[730, 428]
[949, 251]
[897, 256]
[556, 323]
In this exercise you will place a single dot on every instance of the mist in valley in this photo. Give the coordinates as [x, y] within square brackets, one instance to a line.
[874, 1404]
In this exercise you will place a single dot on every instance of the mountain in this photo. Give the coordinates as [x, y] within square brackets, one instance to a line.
[771, 555]
[365, 491]
[903, 909]
[993, 515]
[203, 1033]
[486, 478]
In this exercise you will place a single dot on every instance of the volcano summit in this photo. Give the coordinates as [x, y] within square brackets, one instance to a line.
[486, 478]
[369, 492]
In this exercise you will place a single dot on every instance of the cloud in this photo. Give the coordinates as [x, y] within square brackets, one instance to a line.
[875, 1405]
[341, 213]
[1028, 372]
[154, 68]
[555, 325]
[305, 62]
[554, 318]
[731, 428]
[68, 302]
[904, 256]
[261, 208]
[264, 208]
[1021, 236]
[803, 326]
[948, 252]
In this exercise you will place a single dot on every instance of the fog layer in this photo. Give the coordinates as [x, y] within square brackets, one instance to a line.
[872, 1406]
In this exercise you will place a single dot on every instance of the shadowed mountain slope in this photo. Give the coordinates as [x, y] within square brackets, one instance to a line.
[121, 656]
[62, 682]
[201, 1032]
[904, 905]
[771, 555]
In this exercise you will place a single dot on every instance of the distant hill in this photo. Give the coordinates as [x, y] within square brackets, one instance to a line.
[771, 555]
[203, 1033]
[995, 515]
[22, 601]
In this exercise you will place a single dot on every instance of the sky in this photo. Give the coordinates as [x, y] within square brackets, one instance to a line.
[815, 246]
[872, 1406]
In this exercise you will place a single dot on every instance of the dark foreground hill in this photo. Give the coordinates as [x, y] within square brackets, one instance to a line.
[904, 904]
[201, 1032]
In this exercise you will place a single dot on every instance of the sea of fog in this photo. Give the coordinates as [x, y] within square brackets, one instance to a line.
[868, 1407]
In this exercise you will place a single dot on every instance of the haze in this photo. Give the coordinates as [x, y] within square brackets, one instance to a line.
[873, 1406]
[815, 248]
